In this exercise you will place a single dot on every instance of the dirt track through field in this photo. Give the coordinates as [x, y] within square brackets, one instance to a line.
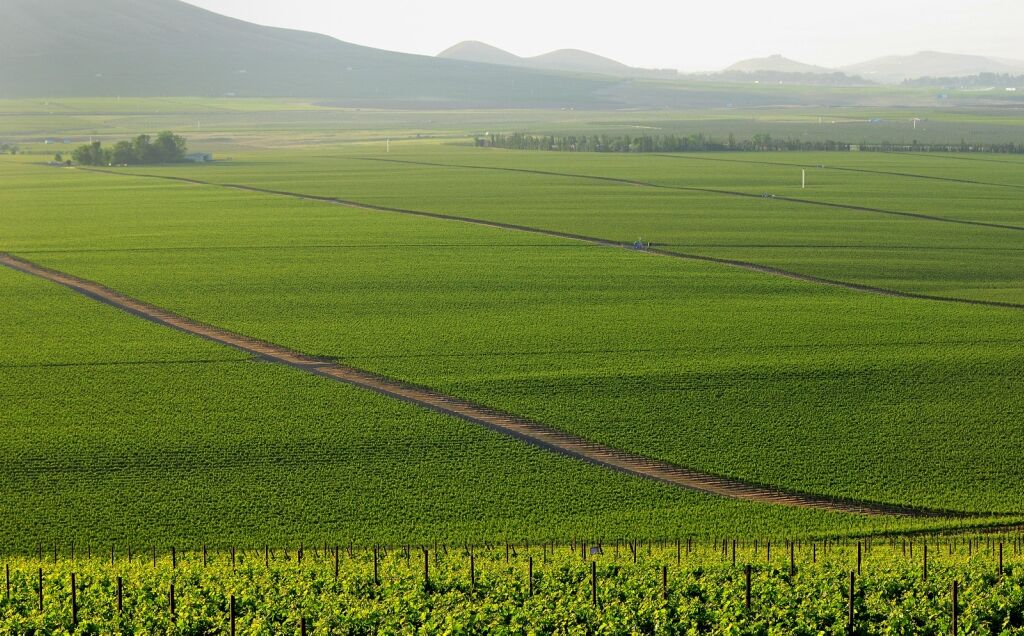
[527, 431]
[731, 193]
[745, 265]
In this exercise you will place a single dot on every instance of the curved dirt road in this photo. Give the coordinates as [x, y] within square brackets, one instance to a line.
[530, 432]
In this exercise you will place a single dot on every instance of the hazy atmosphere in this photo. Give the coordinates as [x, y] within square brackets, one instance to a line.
[473, 318]
[688, 36]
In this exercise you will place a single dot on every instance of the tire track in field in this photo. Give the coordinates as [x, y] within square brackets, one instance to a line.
[745, 265]
[719, 191]
[909, 175]
[533, 433]
[954, 157]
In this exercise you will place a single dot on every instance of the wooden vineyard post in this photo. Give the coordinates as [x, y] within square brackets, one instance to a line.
[664, 582]
[792, 560]
[956, 607]
[768, 557]
[120, 595]
[204, 555]
[814, 552]
[74, 600]
[734, 553]
[679, 556]
[530, 576]
[299, 558]
[111, 554]
[748, 587]
[8, 569]
[426, 569]
[850, 618]
[1000, 558]
[593, 582]
[472, 572]
[302, 628]
[336, 550]
[232, 614]
[925, 570]
[174, 558]
[266, 555]
[170, 602]
[376, 566]
[40, 589]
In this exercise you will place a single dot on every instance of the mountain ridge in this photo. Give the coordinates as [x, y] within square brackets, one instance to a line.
[894, 69]
[565, 60]
[777, 64]
[158, 48]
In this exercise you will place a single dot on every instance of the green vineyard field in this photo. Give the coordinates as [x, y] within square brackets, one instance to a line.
[899, 585]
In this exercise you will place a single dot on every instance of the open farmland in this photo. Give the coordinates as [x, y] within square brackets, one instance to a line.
[919, 214]
[738, 373]
[116, 430]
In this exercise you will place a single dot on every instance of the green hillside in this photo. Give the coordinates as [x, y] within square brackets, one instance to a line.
[167, 47]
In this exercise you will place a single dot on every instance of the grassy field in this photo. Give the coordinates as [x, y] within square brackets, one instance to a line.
[739, 373]
[885, 246]
[742, 374]
[116, 430]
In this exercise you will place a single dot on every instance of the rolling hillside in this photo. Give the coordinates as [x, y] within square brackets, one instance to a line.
[565, 60]
[777, 64]
[101, 48]
[896, 68]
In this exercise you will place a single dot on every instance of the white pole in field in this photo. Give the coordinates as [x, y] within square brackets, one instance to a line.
[387, 144]
[803, 179]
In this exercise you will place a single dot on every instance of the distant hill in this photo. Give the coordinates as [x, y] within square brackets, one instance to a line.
[897, 68]
[473, 51]
[777, 64]
[582, 61]
[68, 48]
[565, 60]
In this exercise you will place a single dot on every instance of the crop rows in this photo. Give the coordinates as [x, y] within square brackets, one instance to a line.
[156, 436]
[899, 585]
[782, 234]
[736, 373]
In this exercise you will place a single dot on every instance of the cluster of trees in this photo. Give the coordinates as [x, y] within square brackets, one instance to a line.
[647, 143]
[8, 148]
[982, 80]
[700, 143]
[166, 148]
[1005, 148]
[781, 77]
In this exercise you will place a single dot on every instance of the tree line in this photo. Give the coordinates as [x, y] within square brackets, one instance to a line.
[8, 148]
[702, 143]
[979, 81]
[144, 149]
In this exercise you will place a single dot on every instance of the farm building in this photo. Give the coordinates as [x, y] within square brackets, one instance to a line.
[199, 157]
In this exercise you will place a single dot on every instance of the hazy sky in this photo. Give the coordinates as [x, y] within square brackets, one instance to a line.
[683, 34]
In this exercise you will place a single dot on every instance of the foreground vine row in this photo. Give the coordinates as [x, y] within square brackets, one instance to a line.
[899, 586]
